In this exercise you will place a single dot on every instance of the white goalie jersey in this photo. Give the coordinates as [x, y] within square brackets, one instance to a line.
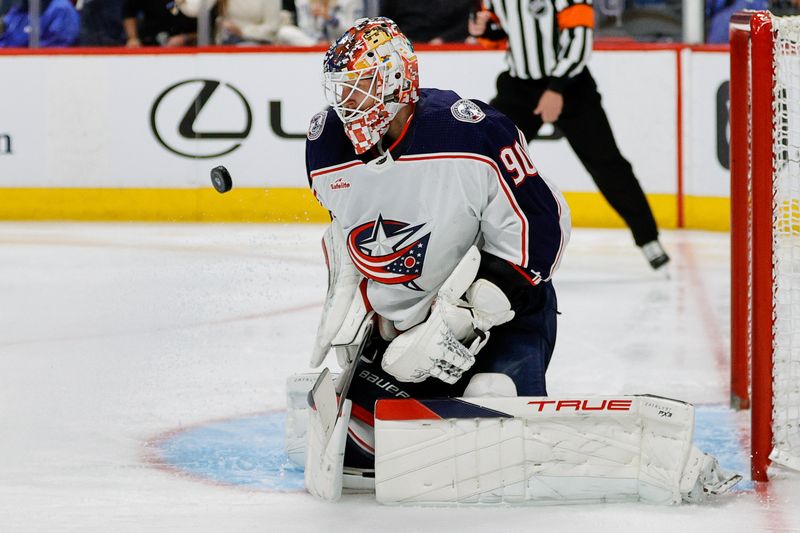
[459, 175]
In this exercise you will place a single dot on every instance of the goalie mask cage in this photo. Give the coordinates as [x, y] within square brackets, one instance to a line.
[765, 233]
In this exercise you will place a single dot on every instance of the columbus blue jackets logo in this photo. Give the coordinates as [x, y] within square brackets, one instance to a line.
[316, 125]
[466, 110]
[389, 252]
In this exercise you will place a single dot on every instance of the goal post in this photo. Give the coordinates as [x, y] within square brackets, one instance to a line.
[765, 233]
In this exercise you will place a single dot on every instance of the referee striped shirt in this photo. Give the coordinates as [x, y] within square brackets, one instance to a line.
[546, 38]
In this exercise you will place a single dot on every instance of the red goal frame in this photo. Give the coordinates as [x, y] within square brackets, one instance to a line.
[752, 279]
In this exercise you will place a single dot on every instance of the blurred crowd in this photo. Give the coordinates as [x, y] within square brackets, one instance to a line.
[135, 23]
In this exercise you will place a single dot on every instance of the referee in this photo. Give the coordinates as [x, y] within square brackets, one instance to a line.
[549, 43]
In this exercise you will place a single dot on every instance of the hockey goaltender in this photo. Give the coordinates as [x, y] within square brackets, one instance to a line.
[442, 314]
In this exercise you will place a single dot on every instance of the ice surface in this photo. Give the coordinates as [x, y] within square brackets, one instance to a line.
[132, 354]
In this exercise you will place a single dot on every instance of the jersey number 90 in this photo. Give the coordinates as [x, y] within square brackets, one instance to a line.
[518, 163]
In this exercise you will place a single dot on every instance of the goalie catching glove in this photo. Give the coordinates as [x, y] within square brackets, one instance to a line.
[445, 345]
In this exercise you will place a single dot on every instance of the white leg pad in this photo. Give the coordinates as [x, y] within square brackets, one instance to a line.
[297, 389]
[325, 458]
[532, 450]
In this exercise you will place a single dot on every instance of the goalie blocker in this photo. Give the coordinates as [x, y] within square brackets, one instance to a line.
[529, 450]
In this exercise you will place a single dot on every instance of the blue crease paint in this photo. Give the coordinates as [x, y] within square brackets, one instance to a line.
[246, 452]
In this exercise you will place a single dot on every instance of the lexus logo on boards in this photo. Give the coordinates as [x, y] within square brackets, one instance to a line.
[201, 118]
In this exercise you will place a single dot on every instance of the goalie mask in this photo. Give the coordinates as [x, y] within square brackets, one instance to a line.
[370, 73]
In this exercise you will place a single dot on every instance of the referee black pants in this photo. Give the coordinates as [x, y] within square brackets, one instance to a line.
[585, 125]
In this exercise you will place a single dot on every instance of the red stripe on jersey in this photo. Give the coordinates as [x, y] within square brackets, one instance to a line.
[522, 138]
[503, 186]
[362, 414]
[366, 447]
[532, 280]
[406, 409]
[323, 171]
[524, 142]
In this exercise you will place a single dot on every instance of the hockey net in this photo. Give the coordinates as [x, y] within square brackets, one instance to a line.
[765, 233]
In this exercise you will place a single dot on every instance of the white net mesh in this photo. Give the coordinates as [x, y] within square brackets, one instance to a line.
[786, 258]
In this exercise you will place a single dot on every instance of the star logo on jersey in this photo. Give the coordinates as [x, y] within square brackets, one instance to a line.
[389, 252]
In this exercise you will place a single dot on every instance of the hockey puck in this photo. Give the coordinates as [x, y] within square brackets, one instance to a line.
[221, 179]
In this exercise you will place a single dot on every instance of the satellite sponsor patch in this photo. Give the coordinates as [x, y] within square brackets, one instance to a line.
[317, 125]
[466, 110]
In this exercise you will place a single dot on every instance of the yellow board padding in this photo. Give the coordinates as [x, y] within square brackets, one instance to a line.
[707, 213]
[164, 205]
[589, 209]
